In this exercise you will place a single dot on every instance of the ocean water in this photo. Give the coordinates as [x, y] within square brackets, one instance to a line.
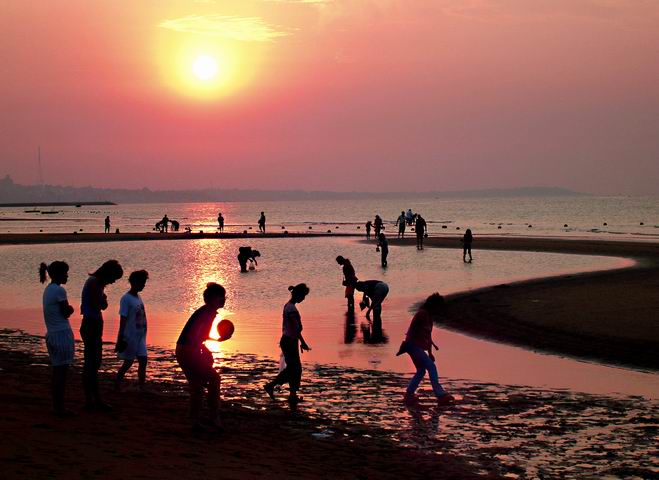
[624, 216]
[180, 270]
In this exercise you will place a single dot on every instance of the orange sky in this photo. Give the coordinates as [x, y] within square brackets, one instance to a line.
[339, 95]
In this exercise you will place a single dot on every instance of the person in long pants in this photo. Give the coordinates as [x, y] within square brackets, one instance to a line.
[292, 344]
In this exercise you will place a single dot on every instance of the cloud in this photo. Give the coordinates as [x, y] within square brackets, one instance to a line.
[247, 29]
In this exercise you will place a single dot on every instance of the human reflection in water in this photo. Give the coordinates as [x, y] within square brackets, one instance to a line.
[424, 422]
[246, 254]
[350, 327]
[372, 331]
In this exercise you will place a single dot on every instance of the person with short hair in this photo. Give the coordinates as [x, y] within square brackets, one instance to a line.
[401, 222]
[107, 224]
[196, 360]
[262, 223]
[292, 344]
[131, 339]
[420, 227]
[368, 227]
[220, 222]
[383, 246]
[59, 335]
[418, 341]
[93, 302]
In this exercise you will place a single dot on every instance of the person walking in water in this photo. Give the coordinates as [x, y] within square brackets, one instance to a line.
[377, 224]
[107, 224]
[368, 226]
[292, 344]
[418, 341]
[420, 228]
[349, 280]
[262, 223]
[131, 339]
[196, 360]
[383, 245]
[220, 222]
[400, 221]
[246, 254]
[466, 245]
[59, 335]
[375, 291]
[93, 302]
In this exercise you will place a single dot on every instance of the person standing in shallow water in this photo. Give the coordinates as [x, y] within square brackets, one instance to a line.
[368, 226]
[220, 222]
[93, 302]
[262, 223]
[377, 224]
[383, 245]
[59, 335]
[107, 224]
[466, 245]
[292, 344]
[246, 254]
[421, 227]
[349, 280]
[418, 341]
[400, 222]
[196, 360]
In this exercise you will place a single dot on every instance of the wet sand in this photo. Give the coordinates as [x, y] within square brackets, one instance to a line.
[353, 425]
[608, 316]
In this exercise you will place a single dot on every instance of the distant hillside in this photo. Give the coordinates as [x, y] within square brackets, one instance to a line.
[11, 192]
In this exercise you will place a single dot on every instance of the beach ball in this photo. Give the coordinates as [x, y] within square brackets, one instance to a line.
[225, 329]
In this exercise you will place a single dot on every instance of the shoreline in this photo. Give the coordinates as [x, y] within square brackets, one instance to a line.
[352, 424]
[615, 307]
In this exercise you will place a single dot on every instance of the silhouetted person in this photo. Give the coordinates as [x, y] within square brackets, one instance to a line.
[164, 223]
[59, 335]
[375, 291]
[246, 254]
[220, 222]
[175, 225]
[400, 221]
[107, 224]
[418, 341]
[131, 339]
[383, 245]
[196, 360]
[420, 228]
[409, 217]
[262, 223]
[349, 280]
[466, 245]
[377, 224]
[368, 225]
[292, 344]
[93, 302]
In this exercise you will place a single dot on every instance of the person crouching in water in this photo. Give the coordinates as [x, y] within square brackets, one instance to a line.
[418, 341]
[196, 360]
[292, 344]
[59, 335]
[131, 340]
[246, 254]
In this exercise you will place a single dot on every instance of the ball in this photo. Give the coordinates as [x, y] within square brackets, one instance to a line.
[225, 329]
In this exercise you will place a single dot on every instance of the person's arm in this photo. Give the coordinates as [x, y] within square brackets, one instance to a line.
[65, 309]
[303, 344]
[255, 262]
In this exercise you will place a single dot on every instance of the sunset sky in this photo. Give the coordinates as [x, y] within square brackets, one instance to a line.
[332, 94]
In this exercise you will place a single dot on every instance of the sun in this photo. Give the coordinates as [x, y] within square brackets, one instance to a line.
[205, 68]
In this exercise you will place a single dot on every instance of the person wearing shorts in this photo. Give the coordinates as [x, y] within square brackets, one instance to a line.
[196, 360]
[59, 335]
[131, 339]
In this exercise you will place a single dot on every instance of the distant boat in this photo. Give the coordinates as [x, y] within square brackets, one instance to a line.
[78, 205]
[49, 212]
[34, 210]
